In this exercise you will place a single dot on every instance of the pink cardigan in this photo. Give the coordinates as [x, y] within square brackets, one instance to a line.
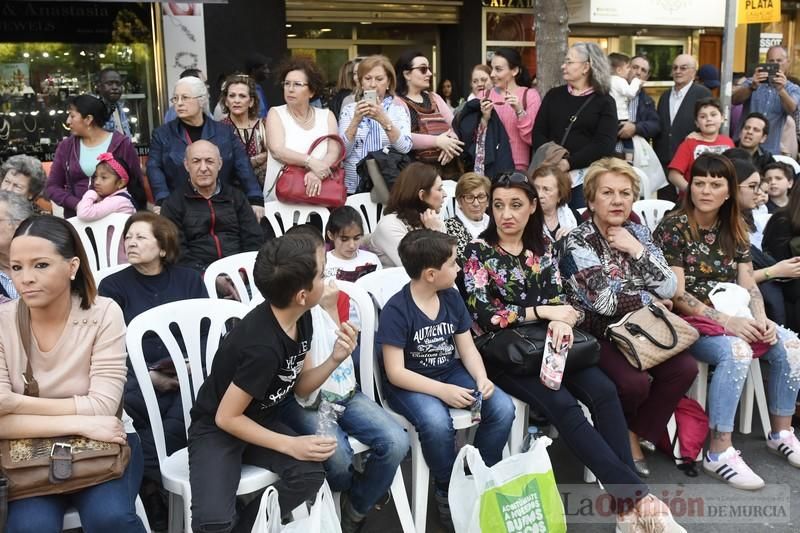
[519, 129]
[89, 208]
[86, 364]
[422, 141]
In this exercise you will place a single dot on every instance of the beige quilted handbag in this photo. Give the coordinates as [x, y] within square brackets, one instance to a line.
[651, 335]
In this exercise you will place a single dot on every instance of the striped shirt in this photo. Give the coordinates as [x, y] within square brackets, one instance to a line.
[8, 286]
[371, 137]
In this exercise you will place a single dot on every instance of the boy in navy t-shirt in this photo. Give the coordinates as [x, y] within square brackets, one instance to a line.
[420, 329]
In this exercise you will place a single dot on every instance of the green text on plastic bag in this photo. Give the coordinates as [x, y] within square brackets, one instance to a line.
[527, 504]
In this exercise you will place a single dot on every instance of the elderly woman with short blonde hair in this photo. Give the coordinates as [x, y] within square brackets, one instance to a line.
[471, 219]
[612, 267]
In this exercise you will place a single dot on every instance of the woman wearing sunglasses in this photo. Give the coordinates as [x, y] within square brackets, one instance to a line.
[511, 276]
[432, 139]
[585, 105]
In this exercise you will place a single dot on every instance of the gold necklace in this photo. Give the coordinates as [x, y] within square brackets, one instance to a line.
[305, 121]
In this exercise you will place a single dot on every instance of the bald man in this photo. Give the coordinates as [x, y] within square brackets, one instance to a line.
[213, 217]
[676, 113]
[776, 100]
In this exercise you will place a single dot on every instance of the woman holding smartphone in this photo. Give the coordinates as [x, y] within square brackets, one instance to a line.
[375, 120]
[515, 103]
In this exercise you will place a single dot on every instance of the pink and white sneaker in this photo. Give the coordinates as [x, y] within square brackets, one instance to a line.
[786, 446]
[731, 468]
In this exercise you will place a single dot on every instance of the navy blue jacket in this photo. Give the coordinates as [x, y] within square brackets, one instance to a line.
[165, 170]
[647, 123]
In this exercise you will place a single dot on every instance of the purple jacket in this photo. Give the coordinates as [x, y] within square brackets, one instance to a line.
[67, 182]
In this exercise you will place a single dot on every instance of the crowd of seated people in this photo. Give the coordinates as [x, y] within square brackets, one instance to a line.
[516, 250]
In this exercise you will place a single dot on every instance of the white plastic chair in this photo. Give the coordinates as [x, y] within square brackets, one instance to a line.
[283, 216]
[232, 266]
[104, 251]
[73, 521]
[652, 211]
[103, 273]
[382, 284]
[449, 207]
[369, 210]
[188, 316]
[789, 161]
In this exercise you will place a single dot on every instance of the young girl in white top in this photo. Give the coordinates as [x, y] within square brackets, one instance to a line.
[108, 192]
[346, 261]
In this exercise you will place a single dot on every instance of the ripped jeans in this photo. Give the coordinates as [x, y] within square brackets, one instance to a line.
[732, 357]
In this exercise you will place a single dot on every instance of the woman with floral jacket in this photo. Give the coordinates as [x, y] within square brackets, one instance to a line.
[612, 268]
[512, 277]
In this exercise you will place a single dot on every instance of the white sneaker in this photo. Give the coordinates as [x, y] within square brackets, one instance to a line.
[787, 446]
[731, 468]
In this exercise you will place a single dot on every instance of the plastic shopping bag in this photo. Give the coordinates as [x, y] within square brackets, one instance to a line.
[732, 299]
[517, 495]
[322, 517]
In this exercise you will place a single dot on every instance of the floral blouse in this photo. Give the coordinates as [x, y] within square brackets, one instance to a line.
[608, 283]
[499, 286]
[703, 262]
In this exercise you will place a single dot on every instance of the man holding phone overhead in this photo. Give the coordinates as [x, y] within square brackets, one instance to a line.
[771, 93]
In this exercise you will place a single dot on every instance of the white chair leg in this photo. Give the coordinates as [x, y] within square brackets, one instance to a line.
[761, 396]
[420, 478]
[337, 501]
[401, 502]
[746, 405]
[187, 514]
[142, 515]
[699, 389]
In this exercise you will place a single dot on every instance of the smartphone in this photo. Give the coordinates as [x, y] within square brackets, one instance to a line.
[371, 96]
[770, 68]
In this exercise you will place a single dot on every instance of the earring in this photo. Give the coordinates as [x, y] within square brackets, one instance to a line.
[162, 253]
[72, 277]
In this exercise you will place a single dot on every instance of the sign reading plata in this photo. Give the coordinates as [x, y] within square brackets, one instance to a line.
[758, 11]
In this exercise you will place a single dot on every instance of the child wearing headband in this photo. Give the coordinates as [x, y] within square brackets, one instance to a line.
[108, 192]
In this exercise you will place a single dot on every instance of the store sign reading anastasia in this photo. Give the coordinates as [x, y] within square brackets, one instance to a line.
[685, 13]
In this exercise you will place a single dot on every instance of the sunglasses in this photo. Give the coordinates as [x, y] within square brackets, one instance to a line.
[423, 69]
[513, 178]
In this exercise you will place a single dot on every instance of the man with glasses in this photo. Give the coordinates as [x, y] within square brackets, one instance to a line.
[773, 95]
[676, 113]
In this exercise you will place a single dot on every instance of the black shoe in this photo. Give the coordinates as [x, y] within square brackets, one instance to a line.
[443, 506]
[352, 521]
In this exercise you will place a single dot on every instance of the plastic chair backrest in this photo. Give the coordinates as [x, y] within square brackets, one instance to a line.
[101, 248]
[189, 316]
[789, 161]
[370, 211]
[232, 266]
[644, 180]
[449, 207]
[652, 211]
[381, 286]
[103, 273]
[283, 216]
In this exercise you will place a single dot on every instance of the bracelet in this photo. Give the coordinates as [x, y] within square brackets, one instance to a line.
[307, 161]
[521, 113]
[767, 275]
[725, 325]
[535, 313]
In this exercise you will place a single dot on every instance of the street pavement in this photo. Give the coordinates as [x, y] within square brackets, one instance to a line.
[781, 495]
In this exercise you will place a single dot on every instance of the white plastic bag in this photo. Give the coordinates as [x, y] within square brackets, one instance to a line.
[322, 517]
[732, 299]
[342, 381]
[518, 494]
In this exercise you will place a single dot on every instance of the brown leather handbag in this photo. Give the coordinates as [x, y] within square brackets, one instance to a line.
[651, 335]
[57, 465]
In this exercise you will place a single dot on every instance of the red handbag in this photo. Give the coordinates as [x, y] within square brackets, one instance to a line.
[290, 187]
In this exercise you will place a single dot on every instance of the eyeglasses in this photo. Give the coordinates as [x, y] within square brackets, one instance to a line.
[512, 178]
[682, 68]
[294, 84]
[470, 198]
[753, 187]
[180, 98]
[423, 69]
[568, 62]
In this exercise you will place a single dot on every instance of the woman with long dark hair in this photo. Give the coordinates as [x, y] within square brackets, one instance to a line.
[76, 156]
[77, 353]
[511, 276]
[706, 242]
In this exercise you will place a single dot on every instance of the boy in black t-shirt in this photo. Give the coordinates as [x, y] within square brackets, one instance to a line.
[239, 415]
[420, 329]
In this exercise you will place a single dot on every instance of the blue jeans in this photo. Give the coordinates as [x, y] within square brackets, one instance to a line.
[732, 357]
[109, 506]
[369, 423]
[431, 417]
